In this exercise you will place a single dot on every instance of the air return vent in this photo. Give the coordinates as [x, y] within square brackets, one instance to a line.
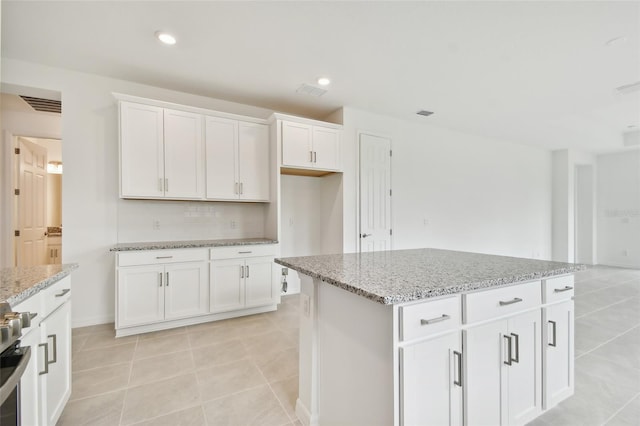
[43, 105]
[424, 112]
[307, 89]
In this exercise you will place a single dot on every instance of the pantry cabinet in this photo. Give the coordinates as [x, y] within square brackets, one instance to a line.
[237, 160]
[310, 146]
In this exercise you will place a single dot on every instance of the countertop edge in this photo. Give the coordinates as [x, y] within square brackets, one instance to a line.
[41, 285]
[168, 245]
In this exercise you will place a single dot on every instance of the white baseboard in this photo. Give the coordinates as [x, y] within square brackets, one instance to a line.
[85, 322]
[304, 415]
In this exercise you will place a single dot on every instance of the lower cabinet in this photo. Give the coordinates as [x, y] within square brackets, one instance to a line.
[558, 352]
[56, 334]
[431, 381]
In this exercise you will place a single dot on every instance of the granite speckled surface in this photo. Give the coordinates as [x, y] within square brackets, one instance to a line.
[18, 284]
[391, 277]
[161, 245]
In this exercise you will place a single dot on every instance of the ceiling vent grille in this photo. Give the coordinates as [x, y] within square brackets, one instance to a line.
[424, 112]
[307, 89]
[43, 105]
[628, 88]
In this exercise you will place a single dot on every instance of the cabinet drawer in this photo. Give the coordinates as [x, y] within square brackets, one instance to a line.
[235, 252]
[56, 295]
[423, 319]
[32, 305]
[557, 289]
[486, 304]
[153, 257]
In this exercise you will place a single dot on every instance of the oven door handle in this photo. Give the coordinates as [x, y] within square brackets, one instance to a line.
[13, 380]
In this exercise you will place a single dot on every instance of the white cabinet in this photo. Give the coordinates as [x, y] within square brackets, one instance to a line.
[56, 329]
[558, 352]
[149, 294]
[54, 250]
[161, 153]
[310, 146]
[237, 160]
[431, 381]
[503, 370]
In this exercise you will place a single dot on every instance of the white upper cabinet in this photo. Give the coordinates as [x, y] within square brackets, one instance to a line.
[161, 153]
[310, 146]
[237, 160]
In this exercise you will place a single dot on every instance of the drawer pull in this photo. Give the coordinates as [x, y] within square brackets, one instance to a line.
[444, 317]
[510, 302]
[458, 382]
[45, 346]
[517, 358]
[560, 290]
[508, 361]
[245, 252]
[65, 291]
[164, 257]
[553, 334]
[55, 348]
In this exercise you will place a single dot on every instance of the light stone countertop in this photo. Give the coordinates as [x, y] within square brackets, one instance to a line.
[18, 284]
[162, 245]
[391, 277]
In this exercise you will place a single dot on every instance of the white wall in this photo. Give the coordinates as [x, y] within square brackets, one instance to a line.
[585, 215]
[618, 212]
[454, 190]
[90, 184]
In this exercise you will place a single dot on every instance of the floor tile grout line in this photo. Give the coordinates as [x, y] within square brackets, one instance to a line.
[275, 394]
[606, 287]
[605, 307]
[608, 341]
[126, 391]
[165, 414]
[621, 408]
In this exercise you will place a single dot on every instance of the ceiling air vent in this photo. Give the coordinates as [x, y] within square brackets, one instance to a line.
[424, 112]
[43, 105]
[307, 89]
[628, 88]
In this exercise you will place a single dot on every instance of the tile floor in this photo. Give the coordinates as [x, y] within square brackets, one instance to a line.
[244, 371]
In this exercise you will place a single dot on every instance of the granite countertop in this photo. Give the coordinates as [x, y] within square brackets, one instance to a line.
[391, 277]
[161, 245]
[18, 284]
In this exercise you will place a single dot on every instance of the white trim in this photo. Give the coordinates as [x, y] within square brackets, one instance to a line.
[304, 415]
[85, 322]
[279, 116]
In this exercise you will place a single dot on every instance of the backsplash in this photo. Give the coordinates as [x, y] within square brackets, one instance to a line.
[151, 220]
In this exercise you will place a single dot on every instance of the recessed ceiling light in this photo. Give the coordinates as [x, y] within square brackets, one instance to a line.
[324, 81]
[616, 40]
[166, 38]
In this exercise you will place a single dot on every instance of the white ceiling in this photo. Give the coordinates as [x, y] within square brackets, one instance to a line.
[537, 73]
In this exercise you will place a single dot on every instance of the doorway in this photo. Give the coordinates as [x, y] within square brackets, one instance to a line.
[375, 233]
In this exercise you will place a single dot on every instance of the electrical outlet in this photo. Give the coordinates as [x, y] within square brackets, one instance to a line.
[156, 224]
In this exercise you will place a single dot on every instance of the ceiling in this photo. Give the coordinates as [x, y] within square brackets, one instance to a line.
[537, 73]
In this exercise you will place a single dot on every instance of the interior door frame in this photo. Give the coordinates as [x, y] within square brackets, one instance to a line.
[359, 134]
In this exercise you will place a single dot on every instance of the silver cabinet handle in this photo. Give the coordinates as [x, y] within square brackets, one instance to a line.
[247, 271]
[46, 358]
[311, 155]
[241, 188]
[508, 361]
[164, 257]
[444, 317]
[236, 189]
[510, 302]
[242, 272]
[167, 280]
[517, 341]
[459, 365]
[160, 274]
[55, 348]
[166, 185]
[553, 333]
[365, 235]
[63, 292]
[560, 290]
[245, 252]
[315, 157]
[160, 187]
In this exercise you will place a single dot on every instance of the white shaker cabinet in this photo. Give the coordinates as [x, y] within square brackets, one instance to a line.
[161, 153]
[310, 146]
[140, 295]
[227, 285]
[237, 160]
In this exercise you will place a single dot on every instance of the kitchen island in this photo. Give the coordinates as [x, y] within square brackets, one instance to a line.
[427, 336]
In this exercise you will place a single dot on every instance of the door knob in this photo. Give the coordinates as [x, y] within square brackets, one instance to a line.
[365, 235]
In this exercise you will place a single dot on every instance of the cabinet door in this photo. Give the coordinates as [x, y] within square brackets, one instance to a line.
[30, 396]
[141, 151]
[525, 372]
[253, 161]
[430, 382]
[140, 295]
[221, 136]
[183, 155]
[296, 144]
[326, 148]
[186, 291]
[558, 350]
[484, 385]
[227, 285]
[57, 327]
[259, 289]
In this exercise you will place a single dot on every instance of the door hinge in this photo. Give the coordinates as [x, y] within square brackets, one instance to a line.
[16, 191]
[390, 153]
[390, 231]
[16, 150]
[16, 233]
[390, 192]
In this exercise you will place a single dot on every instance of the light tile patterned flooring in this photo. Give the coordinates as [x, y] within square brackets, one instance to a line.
[244, 371]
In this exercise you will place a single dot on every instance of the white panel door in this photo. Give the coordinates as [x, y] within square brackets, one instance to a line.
[297, 150]
[186, 290]
[259, 288]
[558, 347]
[58, 334]
[183, 155]
[227, 285]
[326, 148]
[140, 295]
[525, 372]
[375, 193]
[32, 205]
[253, 161]
[141, 151]
[221, 136]
[430, 382]
[484, 384]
